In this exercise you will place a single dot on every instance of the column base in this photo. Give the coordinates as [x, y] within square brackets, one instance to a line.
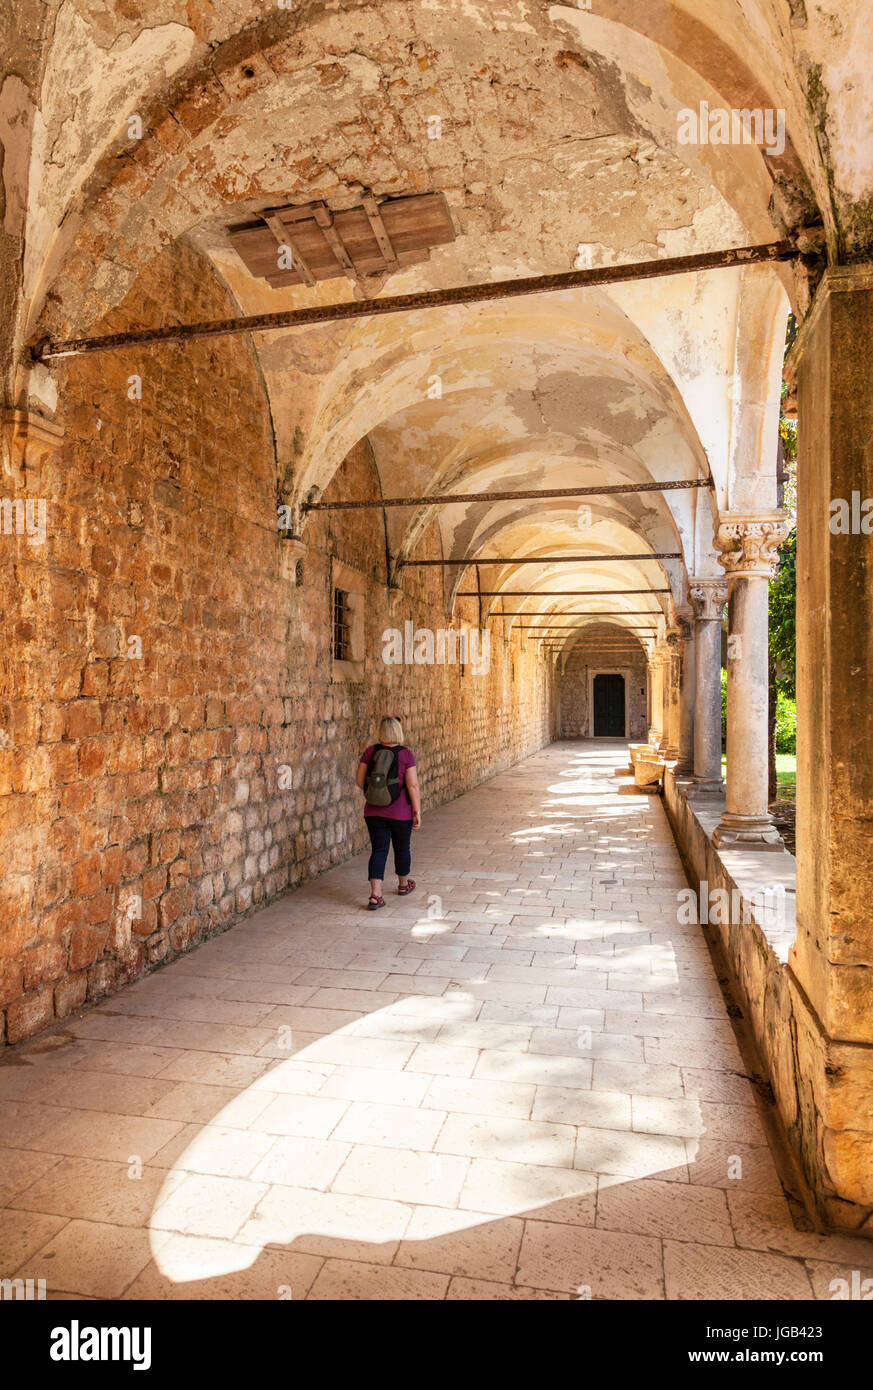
[706, 787]
[747, 832]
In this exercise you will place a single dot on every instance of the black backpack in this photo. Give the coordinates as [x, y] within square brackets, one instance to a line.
[383, 783]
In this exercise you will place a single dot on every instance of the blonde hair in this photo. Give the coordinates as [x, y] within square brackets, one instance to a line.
[390, 731]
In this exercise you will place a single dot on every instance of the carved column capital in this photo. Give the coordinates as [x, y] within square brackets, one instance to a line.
[749, 542]
[708, 598]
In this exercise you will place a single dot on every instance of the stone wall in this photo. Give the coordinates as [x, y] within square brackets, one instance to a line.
[176, 742]
[629, 661]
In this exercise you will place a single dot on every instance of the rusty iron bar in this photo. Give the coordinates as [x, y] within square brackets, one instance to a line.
[618, 633]
[539, 560]
[556, 593]
[577, 613]
[553, 631]
[426, 299]
[445, 499]
[545, 628]
[574, 632]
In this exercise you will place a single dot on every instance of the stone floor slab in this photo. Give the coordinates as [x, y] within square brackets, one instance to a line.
[708, 1271]
[537, 1092]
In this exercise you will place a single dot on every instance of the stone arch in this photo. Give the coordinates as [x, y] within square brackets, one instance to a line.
[192, 106]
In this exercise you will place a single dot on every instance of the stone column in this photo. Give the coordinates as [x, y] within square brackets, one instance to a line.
[748, 543]
[685, 765]
[672, 677]
[708, 597]
[831, 964]
[657, 734]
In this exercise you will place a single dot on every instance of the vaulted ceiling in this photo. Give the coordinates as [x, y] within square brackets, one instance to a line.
[554, 133]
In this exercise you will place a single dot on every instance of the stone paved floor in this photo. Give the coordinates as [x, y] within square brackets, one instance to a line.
[520, 1082]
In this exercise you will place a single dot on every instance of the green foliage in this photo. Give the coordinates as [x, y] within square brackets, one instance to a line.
[788, 437]
[786, 723]
[783, 627]
[723, 705]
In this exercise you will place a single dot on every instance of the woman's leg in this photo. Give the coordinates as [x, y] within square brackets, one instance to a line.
[380, 838]
[401, 833]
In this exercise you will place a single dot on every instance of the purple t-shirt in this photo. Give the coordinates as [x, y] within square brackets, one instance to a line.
[401, 809]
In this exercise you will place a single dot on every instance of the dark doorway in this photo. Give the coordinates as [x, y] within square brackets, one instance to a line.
[609, 706]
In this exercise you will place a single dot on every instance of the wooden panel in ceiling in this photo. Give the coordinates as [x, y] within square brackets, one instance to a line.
[370, 239]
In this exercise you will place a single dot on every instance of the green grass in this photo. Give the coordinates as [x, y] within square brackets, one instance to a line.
[786, 768]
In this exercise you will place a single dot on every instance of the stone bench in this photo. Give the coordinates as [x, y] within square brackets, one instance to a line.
[648, 764]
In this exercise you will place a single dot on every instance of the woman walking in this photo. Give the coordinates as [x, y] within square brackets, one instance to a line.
[387, 776]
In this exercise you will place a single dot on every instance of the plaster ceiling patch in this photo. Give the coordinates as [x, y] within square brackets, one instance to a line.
[17, 112]
[88, 94]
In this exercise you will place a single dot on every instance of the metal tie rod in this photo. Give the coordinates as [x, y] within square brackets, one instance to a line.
[577, 613]
[556, 593]
[619, 628]
[540, 560]
[552, 631]
[444, 499]
[428, 299]
[576, 632]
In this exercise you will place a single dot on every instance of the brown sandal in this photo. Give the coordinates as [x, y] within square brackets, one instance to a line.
[375, 903]
[407, 887]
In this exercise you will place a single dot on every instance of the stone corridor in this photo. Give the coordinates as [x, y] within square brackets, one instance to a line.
[519, 1083]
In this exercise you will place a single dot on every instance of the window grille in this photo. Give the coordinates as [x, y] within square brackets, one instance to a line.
[342, 618]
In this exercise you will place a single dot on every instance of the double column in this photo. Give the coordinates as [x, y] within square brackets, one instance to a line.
[749, 546]
[708, 598]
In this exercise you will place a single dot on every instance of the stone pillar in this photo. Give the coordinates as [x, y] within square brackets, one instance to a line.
[672, 677]
[658, 732]
[832, 959]
[685, 765]
[653, 735]
[708, 597]
[748, 543]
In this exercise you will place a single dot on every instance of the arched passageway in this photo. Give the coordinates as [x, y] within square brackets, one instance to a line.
[509, 520]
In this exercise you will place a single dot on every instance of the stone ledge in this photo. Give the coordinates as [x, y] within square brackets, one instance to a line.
[817, 1082]
[750, 871]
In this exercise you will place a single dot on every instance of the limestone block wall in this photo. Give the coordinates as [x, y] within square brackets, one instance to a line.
[176, 743]
[575, 687]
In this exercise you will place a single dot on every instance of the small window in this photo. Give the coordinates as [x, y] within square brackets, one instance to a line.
[342, 626]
